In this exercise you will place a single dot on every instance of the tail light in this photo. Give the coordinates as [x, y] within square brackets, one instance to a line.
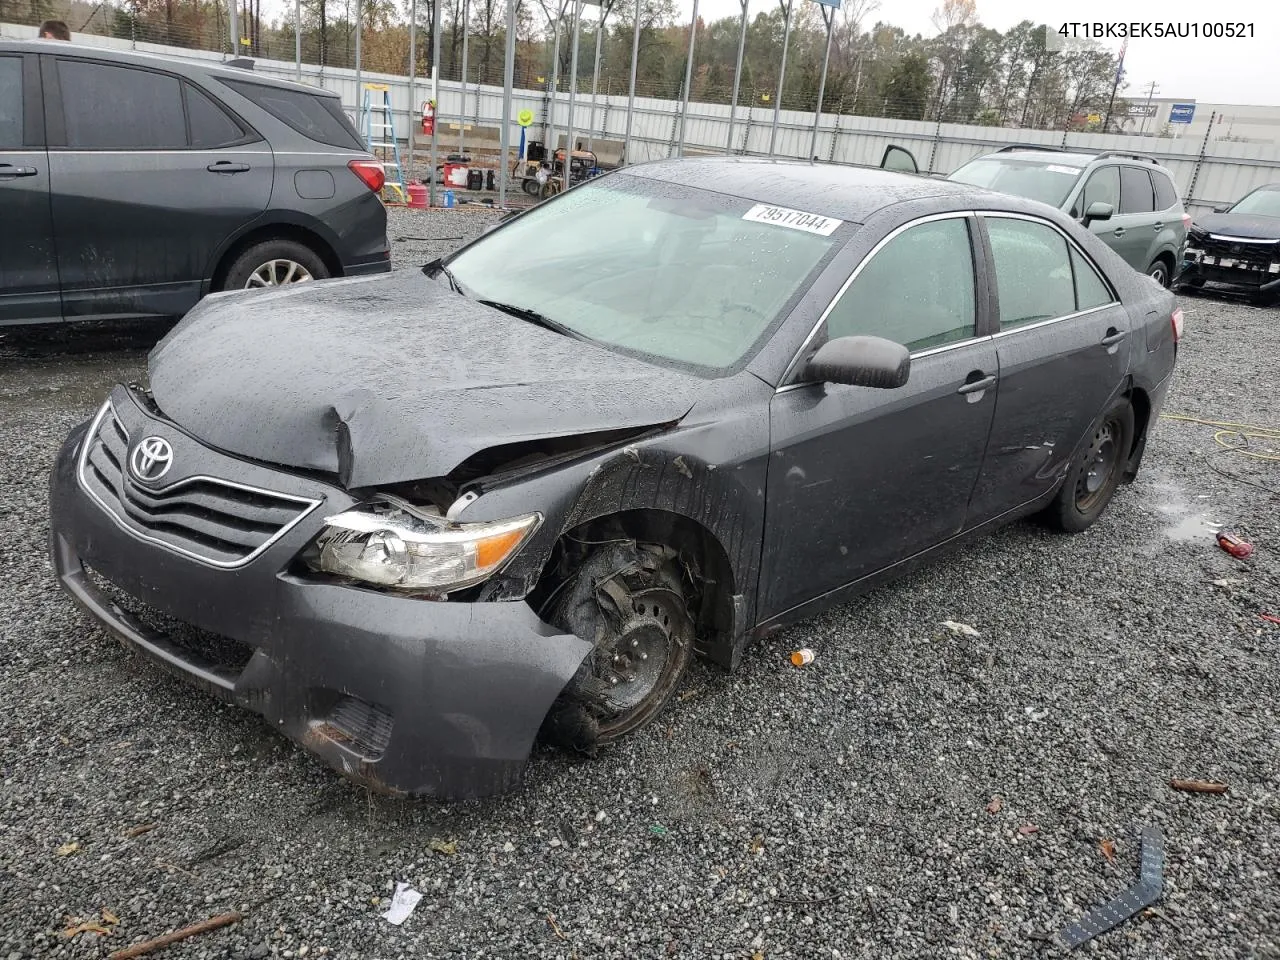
[371, 172]
[1176, 319]
[1186, 221]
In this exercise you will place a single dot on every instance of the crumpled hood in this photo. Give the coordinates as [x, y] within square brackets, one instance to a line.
[391, 378]
[1239, 225]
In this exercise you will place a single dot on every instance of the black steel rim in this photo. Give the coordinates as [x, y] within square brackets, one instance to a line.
[636, 665]
[1100, 463]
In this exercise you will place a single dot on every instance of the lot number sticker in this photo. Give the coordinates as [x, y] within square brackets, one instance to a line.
[794, 219]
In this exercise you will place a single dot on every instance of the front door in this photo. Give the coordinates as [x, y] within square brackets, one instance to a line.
[1063, 347]
[860, 478]
[150, 177]
[28, 261]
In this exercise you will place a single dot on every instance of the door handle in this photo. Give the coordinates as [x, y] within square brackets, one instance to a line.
[226, 166]
[1119, 231]
[977, 386]
[1159, 227]
[8, 171]
[1113, 337]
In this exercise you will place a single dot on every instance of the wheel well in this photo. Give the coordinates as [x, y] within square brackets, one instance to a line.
[708, 574]
[1168, 260]
[277, 231]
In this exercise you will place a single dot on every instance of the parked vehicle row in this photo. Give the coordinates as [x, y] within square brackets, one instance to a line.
[130, 185]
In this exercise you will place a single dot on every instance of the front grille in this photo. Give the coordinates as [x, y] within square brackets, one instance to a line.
[1245, 256]
[222, 523]
[211, 649]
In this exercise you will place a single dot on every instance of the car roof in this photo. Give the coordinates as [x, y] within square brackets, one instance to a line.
[848, 193]
[187, 67]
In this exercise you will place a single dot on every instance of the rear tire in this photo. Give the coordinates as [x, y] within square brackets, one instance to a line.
[274, 263]
[1096, 472]
[1159, 272]
[629, 600]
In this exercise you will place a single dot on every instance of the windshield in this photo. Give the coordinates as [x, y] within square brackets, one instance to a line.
[658, 269]
[1260, 203]
[1034, 179]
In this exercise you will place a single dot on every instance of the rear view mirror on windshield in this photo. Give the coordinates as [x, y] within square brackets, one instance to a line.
[861, 362]
[899, 159]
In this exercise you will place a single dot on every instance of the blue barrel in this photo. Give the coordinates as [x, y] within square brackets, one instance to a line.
[448, 198]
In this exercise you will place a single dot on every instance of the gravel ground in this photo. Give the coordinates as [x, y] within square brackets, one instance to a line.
[842, 810]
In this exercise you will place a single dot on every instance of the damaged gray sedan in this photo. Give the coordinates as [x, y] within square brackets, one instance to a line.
[417, 520]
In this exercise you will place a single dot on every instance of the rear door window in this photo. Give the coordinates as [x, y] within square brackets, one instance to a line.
[1166, 195]
[1136, 194]
[1091, 291]
[107, 107]
[10, 103]
[208, 124]
[315, 116]
[1034, 278]
[917, 290]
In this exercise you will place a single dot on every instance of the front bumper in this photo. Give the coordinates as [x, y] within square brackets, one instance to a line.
[408, 696]
[1262, 282]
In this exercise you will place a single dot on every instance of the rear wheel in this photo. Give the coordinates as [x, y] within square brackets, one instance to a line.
[629, 601]
[274, 263]
[1092, 480]
[1159, 272]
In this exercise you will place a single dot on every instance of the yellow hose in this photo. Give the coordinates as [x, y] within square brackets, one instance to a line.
[1235, 436]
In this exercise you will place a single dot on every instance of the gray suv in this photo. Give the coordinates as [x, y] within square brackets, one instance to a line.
[131, 185]
[1127, 199]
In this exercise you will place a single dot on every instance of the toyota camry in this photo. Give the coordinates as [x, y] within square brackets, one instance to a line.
[417, 521]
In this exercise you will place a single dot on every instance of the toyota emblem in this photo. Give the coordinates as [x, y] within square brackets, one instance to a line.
[151, 459]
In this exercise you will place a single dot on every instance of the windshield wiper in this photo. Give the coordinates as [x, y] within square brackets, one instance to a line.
[533, 316]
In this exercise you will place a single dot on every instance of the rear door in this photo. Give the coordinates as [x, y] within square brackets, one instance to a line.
[28, 261]
[150, 175]
[1063, 349]
[1133, 229]
[862, 478]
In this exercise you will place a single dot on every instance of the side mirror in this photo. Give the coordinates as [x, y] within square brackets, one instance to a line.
[861, 362]
[899, 159]
[1098, 210]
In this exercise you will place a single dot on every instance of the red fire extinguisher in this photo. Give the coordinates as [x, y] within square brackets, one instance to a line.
[428, 117]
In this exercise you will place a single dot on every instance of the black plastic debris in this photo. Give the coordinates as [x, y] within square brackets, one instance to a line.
[1132, 899]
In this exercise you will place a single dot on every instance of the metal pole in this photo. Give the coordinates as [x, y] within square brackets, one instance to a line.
[573, 90]
[829, 17]
[595, 81]
[462, 110]
[1151, 92]
[782, 75]
[235, 26]
[508, 81]
[359, 31]
[297, 40]
[631, 90]
[435, 90]
[413, 79]
[737, 77]
[555, 87]
[688, 79]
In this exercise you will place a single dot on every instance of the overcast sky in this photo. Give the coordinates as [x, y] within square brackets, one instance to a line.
[1210, 71]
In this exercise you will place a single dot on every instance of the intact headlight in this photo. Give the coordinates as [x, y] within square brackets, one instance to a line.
[391, 543]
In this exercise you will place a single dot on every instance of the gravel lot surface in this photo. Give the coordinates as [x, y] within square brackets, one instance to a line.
[841, 810]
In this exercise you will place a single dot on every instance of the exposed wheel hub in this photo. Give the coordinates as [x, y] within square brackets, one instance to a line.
[1100, 464]
[630, 664]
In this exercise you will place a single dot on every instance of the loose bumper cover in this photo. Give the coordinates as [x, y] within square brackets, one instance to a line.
[406, 695]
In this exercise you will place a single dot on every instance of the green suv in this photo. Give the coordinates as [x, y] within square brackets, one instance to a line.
[1127, 199]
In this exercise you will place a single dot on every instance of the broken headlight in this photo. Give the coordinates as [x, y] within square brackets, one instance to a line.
[391, 543]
